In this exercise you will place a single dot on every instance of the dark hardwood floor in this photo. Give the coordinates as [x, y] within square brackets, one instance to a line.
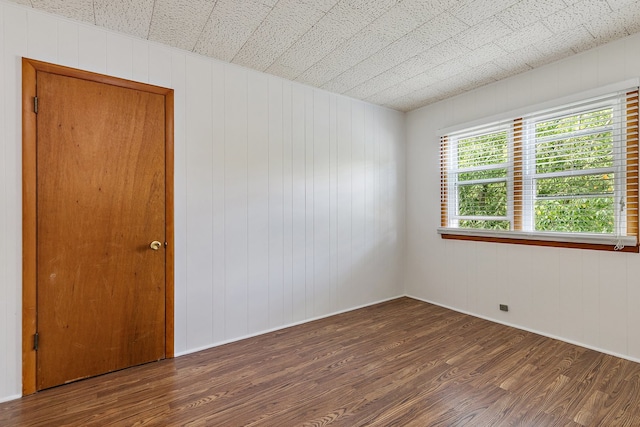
[400, 363]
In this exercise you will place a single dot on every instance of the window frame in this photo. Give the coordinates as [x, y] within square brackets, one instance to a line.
[521, 195]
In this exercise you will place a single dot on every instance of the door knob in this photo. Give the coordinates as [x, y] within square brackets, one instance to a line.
[155, 245]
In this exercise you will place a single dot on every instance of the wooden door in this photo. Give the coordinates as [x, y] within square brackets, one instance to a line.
[100, 186]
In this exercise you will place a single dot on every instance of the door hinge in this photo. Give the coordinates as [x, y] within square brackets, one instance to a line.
[35, 341]
[35, 104]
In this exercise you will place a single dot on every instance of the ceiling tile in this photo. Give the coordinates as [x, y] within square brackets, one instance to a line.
[439, 29]
[373, 8]
[376, 64]
[283, 71]
[179, 23]
[564, 44]
[472, 12]
[524, 37]
[127, 16]
[285, 23]
[610, 27]
[425, 11]
[375, 84]
[323, 5]
[379, 35]
[422, 80]
[399, 53]
[633, 19]
[394, 23]
[577, 14]
[480, 75]
[229, 26]
[526, 12]
[340, 24]
[619, 4]
[482, 55]
[81, 10]
[519, 60]
[483, 33]
[453, 85]
[415, 99]
[411, 67]
[392, 55]
[445, 51]
[388, 28]
[631, 14]
[393, 92]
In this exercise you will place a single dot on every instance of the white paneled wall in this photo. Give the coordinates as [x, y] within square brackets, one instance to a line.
[587, 297]
[289, 201]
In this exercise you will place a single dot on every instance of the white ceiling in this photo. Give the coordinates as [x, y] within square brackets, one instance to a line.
[398, 53]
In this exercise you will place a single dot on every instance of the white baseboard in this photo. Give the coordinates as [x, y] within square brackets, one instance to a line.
[8, 398]
[544, 334]
[288, 325]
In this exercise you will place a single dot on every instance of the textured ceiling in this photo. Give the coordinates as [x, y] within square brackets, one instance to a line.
[398, 53]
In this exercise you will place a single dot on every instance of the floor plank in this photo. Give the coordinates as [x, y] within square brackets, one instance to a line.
[399, 363]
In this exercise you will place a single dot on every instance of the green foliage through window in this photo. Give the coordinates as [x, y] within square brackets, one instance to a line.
[548, 172]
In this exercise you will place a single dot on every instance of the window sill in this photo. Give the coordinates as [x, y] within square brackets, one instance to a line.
[562, 240]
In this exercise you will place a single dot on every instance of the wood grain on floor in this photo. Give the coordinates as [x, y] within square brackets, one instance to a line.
[399, 363]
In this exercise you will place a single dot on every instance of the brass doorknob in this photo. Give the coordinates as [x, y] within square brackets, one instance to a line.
[155, 245]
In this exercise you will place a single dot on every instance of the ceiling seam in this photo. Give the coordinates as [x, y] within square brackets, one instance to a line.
[254, 31]
[349, 39]
[302, 35]
[197, 39]
[405, 35]
[153, 12]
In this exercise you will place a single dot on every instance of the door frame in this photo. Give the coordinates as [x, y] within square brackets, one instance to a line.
[30, 68]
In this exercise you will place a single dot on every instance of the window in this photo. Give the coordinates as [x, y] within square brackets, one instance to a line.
[567, 174]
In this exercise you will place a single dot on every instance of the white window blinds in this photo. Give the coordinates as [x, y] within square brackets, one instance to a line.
[571, 170]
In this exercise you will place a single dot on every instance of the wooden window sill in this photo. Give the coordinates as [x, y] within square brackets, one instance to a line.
[593, 242]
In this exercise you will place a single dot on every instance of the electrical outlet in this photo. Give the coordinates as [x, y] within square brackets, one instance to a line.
[504, 307]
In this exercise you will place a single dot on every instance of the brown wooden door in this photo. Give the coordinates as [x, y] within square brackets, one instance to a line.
[100, 203]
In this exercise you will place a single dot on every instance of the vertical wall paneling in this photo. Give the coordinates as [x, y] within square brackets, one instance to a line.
[92, 49]
[333, 201]
[177, 79]
[545, 294]
[140, 61]
[389, 234]
[321, 204]
[15, 28]
[570, 297]
[68, 44]
[287, 203]
[236, 203]
[160, 66]
[6, 318]
[199, 151]
[590, 319]
[369, 241]
[42, 37]
[218, 194]
[632, 312]
[119, 56]
[344, 199]
[299, 203]
[258, 202]
[276, 234]
[358, 207]
[286, 196]
[309, 193]
[613, 300]
[376, 167]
